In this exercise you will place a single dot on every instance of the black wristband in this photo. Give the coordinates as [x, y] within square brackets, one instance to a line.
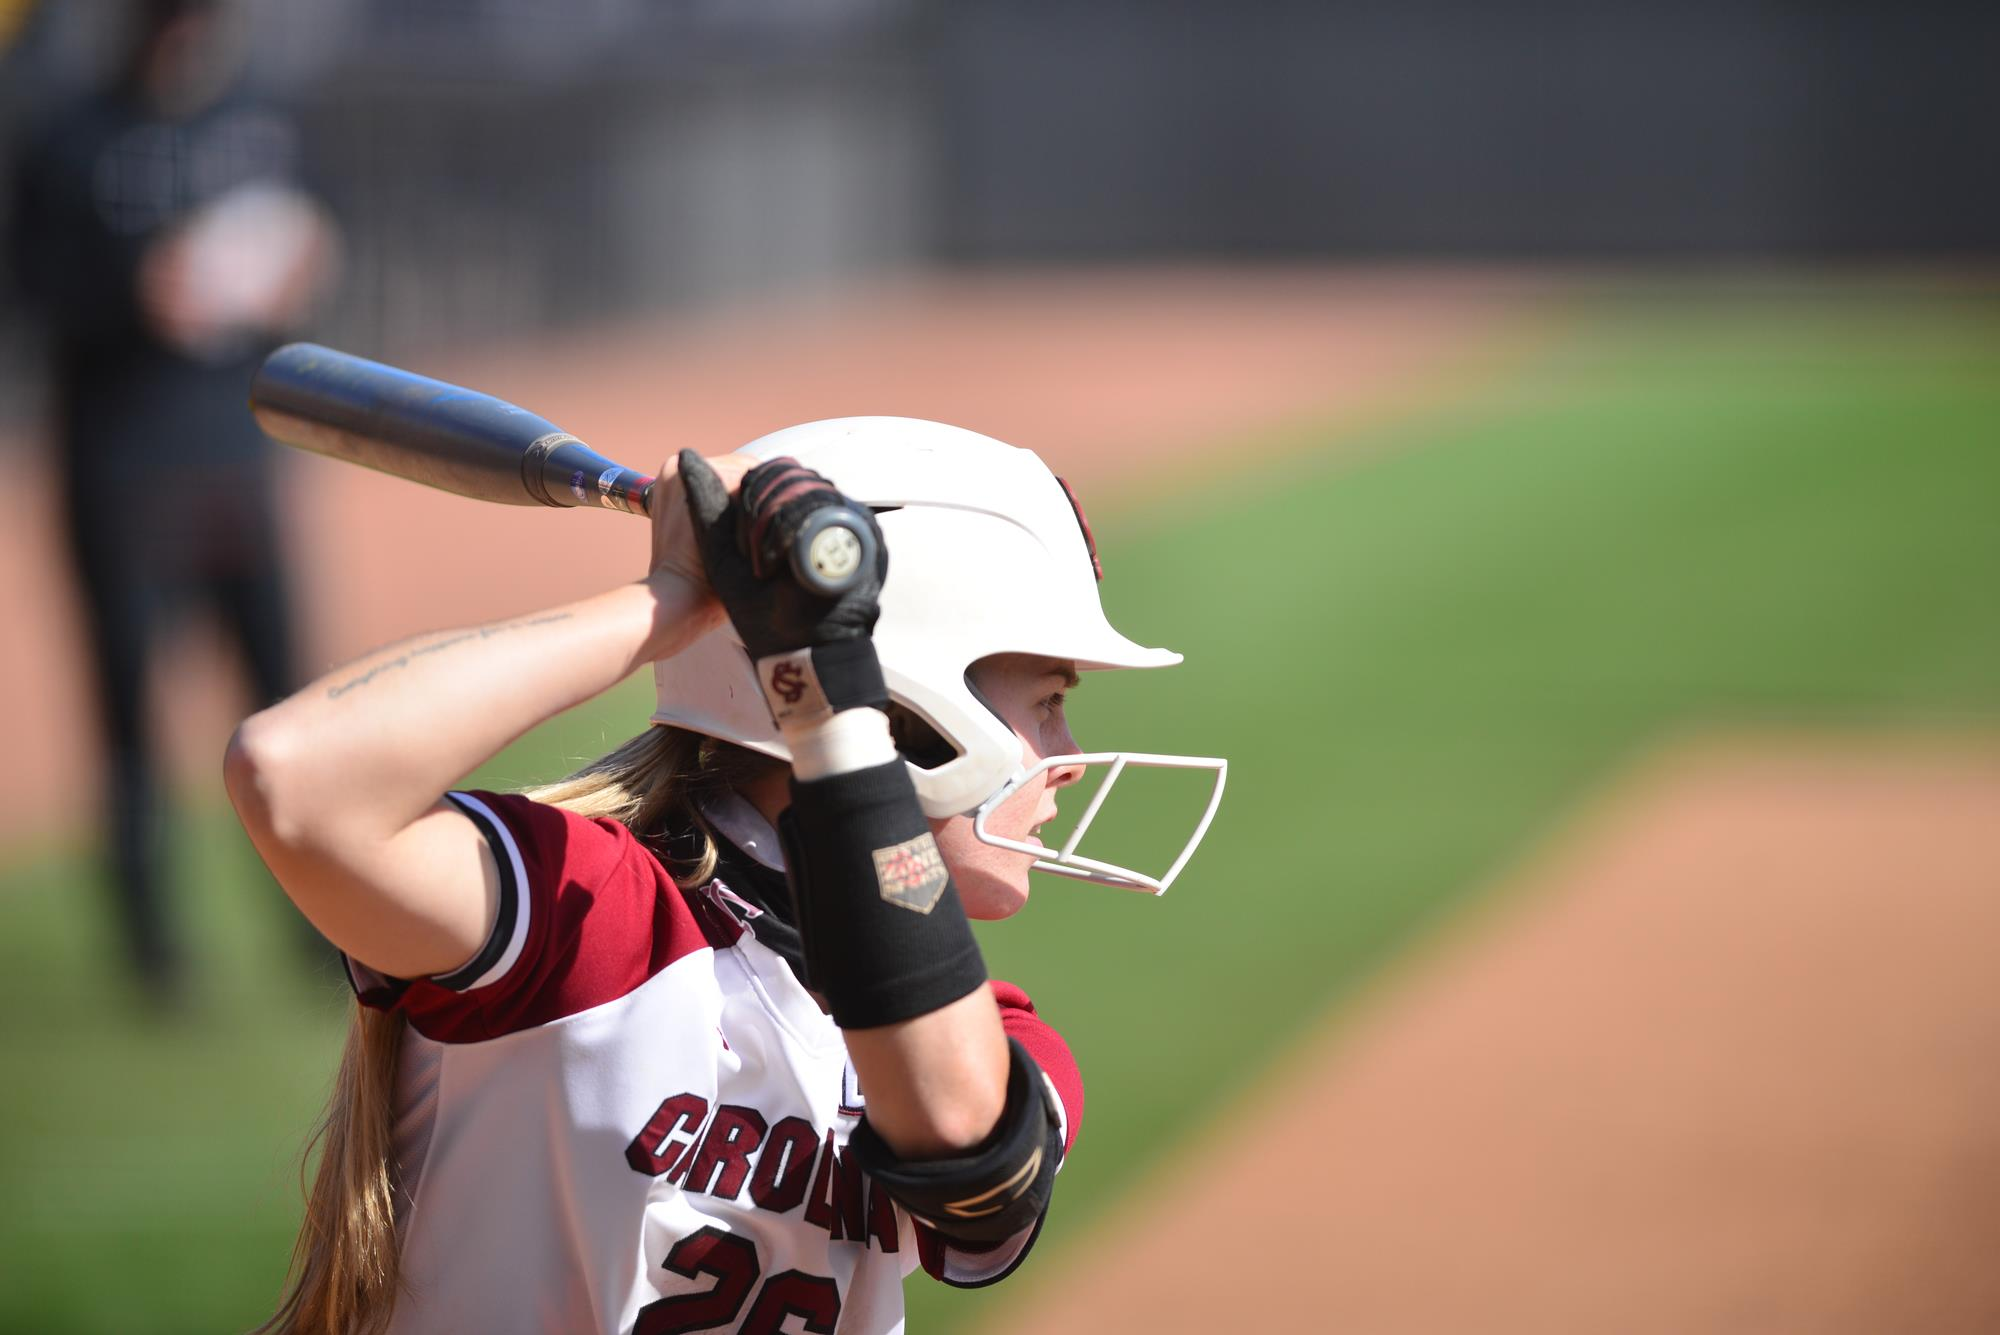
[885, 936]
[851, 674]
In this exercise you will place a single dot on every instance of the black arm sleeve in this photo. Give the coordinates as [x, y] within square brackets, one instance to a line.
[885, 936]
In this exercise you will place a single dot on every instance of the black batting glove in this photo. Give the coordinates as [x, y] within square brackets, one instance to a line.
[793, 633]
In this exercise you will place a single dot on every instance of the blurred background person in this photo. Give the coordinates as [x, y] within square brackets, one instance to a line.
[165, 243]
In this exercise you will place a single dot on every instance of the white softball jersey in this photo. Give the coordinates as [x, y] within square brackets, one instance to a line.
[626, 1114]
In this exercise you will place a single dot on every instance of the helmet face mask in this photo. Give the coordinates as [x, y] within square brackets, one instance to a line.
[1066, 860]
[988, 554]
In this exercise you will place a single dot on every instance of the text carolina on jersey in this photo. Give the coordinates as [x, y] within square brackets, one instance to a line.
[784, 1164]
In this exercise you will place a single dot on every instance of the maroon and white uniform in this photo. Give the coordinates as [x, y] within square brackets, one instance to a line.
[626, 1113]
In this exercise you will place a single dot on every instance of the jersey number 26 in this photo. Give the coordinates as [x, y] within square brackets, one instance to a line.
[732, 1259]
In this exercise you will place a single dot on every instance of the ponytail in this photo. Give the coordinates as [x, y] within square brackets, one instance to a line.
[344, 1264]
[344, 1274]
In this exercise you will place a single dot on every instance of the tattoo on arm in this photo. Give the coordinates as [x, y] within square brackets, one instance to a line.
[403, 658]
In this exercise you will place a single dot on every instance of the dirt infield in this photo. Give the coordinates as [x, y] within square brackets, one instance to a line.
[1722, 1061]
[1117, 378]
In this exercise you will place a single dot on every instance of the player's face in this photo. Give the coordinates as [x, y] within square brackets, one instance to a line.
[1028, 693]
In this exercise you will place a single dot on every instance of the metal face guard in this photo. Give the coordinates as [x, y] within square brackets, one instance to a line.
[1065, 861]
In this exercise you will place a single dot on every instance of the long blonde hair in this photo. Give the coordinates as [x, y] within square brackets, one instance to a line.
[344, 1275]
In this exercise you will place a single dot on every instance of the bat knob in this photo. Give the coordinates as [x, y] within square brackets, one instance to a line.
[834, 548]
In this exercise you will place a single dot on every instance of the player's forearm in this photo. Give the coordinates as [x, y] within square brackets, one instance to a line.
[368, 748]
[935, 1084]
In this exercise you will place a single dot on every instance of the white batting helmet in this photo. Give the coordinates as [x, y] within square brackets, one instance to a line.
[988, 554]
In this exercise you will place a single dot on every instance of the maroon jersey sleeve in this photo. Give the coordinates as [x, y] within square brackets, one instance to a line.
[586, 915]
[974, 1268]
[1046, 1046]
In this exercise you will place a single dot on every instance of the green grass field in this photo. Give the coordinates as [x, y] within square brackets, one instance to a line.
[1689, 511]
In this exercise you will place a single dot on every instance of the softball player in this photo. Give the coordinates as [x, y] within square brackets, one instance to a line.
[699, 1038]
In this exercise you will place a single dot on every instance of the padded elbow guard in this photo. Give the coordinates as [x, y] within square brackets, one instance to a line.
[992, 1191]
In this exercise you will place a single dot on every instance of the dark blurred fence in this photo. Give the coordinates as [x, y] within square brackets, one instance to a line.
[505, 165]
[479, 207]
[1616, 128]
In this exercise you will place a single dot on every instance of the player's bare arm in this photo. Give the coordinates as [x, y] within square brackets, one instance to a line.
[340, 785]
[956, 1059]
